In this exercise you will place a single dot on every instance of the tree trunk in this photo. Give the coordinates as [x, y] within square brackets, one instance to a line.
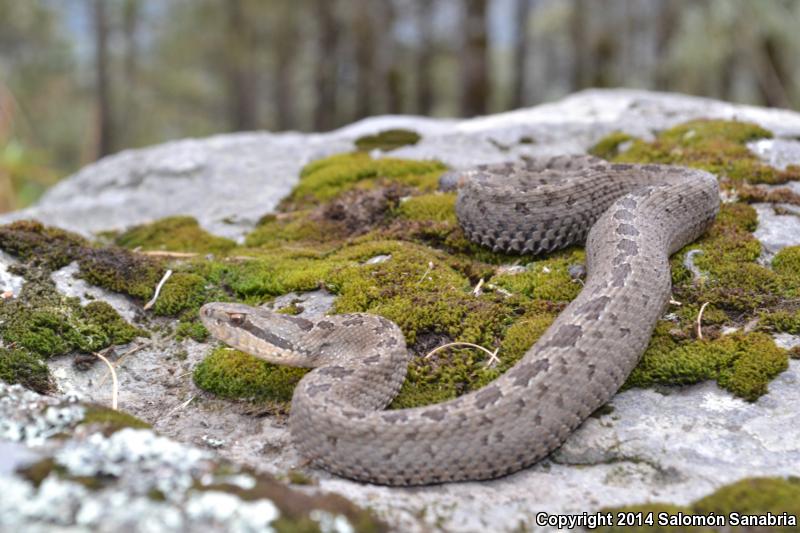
[130, 28]
[424, 57]
[327, 66]
[105, 121]
[241, 72]
[285, 43]
[581, 74]
[475, 60]
[666, 24]
[366, 72]
[520, 54]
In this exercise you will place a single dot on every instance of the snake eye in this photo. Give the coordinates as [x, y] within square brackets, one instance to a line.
[237, 319]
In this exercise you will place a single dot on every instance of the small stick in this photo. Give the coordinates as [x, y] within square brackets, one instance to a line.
[699, 320]
[122, 358]
[114, 382]
[673, 301]
[477, 290]
[166, 253]
[161, 283]
[492, 355]
[181, 406]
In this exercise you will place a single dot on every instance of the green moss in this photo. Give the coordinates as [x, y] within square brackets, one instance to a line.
[176, 234]
[120, 270]
[437, 207]
[718, 146]
[42, 321]
[753, 496]
[110, 420]
[48, 247]
[233, 374]
[327, 178]
[741, 363]
[787, 262]
[27, 369]
[387, 140]
[192, 329]
[547, 279]
[182, 291]
[608, 146]
[781, 321]
[294, 229]
[114, 326]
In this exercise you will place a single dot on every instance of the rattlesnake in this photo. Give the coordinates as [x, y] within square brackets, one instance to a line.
[638, 215]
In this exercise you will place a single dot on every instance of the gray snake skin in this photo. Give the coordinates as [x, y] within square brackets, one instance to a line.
[635, 217]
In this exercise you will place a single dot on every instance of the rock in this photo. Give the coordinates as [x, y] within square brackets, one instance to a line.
[93, 478]
[668, 445]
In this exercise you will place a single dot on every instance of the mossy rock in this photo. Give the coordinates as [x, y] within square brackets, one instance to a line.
[327, 178]
[175, 234]
[387, 140]
[718, 146]
[752, 497]
[413, 264]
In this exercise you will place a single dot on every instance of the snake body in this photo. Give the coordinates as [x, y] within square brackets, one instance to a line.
[635, 217]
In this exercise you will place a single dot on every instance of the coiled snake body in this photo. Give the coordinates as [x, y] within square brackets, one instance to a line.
[635, 217]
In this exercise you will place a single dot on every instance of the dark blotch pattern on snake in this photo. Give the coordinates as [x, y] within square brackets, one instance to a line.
[632, 217]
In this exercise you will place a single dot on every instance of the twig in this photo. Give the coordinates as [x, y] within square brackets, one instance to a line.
[120, 359]
[167, 253]
[673, 301]
[492, 355]
[477, 290]
[161, 283]
[114, 382]
[699, 321]
[181, 406]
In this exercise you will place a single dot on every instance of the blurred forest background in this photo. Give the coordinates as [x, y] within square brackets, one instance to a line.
[83, 78]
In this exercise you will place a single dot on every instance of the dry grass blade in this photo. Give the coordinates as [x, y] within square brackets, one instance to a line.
[114, 382]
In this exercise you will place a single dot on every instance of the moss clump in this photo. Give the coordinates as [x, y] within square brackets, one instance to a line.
[234, 374]
[718, 146]
[327, 178]
[290, 230]
[781, 321]
[787, 262]
[548, 279]
[753, 496]
[27, 369]
[387, 140]
[182, 291]
[44, 322]
[176, 234]
[608, 147]
[436, 207]
[110, 420]
[741, 363]
[119, 270]
[114, 326]
[41, 323]
[48, 247]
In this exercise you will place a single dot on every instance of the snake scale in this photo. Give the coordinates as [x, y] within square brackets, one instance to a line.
[631, 217]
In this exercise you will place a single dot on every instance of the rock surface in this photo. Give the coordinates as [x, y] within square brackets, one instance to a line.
[665, 445]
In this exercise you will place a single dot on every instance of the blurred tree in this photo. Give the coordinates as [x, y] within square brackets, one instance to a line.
[426, 48]
[327, 64]
[285, 42]
[241, 45]
[475, 59]
[520, 53]
[105, 117]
